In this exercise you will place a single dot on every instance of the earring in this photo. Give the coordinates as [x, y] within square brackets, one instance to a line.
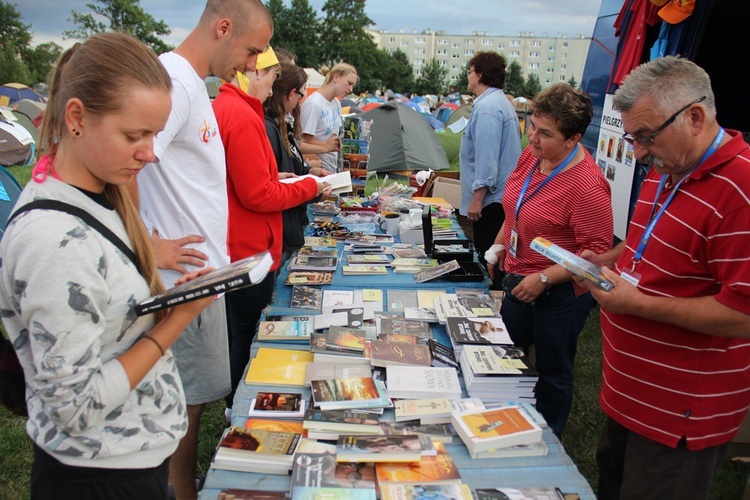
[76, 132]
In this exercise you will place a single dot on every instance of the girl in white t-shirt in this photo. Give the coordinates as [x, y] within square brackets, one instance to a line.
[320, 117]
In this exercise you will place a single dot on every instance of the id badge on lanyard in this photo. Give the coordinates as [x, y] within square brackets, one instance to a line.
[513, 243]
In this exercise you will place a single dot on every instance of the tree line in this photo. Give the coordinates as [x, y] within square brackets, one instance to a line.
[338, 35]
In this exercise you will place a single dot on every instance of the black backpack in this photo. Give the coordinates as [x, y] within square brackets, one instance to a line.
[12, 381]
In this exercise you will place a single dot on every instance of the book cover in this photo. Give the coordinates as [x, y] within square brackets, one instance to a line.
[426, 298]
[572, 262]
[275, 372]
[400, 325]
[343, 421]
[477, 331]
[307, 263]
[239, 274]
[435, 272]
[415, 409]
[418, 382]
[270, 403]
[533, 449]
[380, 448]
[367, 260]
[442, 355]
[399, 337]
[373, 295]
[285, 355]
[425, 492]
[298, 331]
[477, 304]
[344, 389]
[345, 338]
[414, 262]
[275, 425]
[436, 432]
[494, 360]
[421, 314]
[384, 353]
[398, 299]
[309, 278]
[322, 470]
[318, 251]
[543, 493]
[319, 493]
[439, 469]
[483, 430]
[306, 297]
[257, 445]
[408, 252]
[363, 270]
[317, 241]
[238, 494]
[337, 297]
[327, 371]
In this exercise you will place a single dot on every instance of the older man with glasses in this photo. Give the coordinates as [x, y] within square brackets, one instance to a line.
[676, 326]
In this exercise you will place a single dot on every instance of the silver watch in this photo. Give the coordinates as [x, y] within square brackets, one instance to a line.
[544, 279]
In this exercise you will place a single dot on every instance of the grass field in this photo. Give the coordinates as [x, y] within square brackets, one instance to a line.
[580, 437]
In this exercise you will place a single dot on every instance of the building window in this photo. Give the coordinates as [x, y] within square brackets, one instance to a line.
[487, 41]
[469, 41]
[563, 79]
[419, 61]
[442, 41]
[404, 43]
[468, 52]
[443, 62]
[535, 43]
[565, 44]
[442, 52]
[564, 55]
[563, 67]
[534, 55]
[514, 53]
[551, 59]
[392, 39]
[419, 51]
[420, 39]
[455, 56]
[533, 65]
[550, 70]
[456, 45]
[515, 43]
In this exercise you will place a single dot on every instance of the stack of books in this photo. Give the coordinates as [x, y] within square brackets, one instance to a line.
[412, 265]
[379, 448]
[476, 331]
[349, 393]
[329, 424]
[484, 431]
[498, 373]
[433, 410]
[256, 450]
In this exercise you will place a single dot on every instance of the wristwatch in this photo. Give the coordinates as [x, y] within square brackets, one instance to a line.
[545, 280]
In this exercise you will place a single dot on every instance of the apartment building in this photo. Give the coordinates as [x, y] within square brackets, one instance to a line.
[551, 58]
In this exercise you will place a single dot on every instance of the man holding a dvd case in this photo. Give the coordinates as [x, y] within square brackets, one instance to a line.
[676, 325]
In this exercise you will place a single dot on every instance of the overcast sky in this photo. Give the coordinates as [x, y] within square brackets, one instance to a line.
[49, 18]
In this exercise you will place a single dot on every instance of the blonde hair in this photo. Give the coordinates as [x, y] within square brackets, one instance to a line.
[341, 69]
[100, 72]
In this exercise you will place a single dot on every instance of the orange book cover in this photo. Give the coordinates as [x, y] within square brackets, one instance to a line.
[276, 425]
[438, 468]
[497, 423]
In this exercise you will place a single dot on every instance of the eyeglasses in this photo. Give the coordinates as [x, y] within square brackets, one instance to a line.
[301, 94]
[647, 140]
[470, 71]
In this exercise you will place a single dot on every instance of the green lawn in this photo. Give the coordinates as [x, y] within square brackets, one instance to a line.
[579, 439]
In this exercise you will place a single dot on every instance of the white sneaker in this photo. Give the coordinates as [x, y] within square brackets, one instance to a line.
[228, 415]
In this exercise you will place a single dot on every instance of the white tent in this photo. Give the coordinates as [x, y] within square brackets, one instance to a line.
[314, 79]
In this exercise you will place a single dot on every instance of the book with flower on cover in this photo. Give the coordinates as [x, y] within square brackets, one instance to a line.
[483, 430]
[239, 274]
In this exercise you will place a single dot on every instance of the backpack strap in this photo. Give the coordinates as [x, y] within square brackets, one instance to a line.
[61, 206]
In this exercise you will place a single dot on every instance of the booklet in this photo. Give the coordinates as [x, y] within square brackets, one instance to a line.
[571, 262]
[239, 274]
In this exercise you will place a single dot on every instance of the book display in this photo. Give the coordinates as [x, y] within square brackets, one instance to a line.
[236, 275]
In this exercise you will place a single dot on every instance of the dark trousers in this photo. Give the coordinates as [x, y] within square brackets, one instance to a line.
[552, 326]
[52, 479]
[244, 308]
[634, 467]
[486, 228]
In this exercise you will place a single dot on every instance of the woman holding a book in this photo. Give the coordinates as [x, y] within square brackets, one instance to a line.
[105, 403]
[556, 191]
[282, 126]
[256, 199]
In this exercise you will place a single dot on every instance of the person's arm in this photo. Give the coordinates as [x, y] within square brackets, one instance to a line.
[309, 145]
[495, 256]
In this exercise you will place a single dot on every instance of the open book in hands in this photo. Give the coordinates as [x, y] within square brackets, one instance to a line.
[340, 182]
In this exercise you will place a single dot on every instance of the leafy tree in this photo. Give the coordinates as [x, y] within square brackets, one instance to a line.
[12, 68]
[300, 34]
[432, 79]
[397, 72]
[533, 86]
[462, 83]
[515, 83]
[121, 15]
[572, 82]
[279, 15]
[13, 32]
[41, 59]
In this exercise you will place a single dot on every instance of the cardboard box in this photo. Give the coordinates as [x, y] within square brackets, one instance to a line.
[449, 189]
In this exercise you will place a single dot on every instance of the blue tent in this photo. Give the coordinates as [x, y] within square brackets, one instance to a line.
[434, 122]
[10, 189]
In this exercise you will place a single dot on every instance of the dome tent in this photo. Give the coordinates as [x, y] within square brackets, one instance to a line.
[400, 139]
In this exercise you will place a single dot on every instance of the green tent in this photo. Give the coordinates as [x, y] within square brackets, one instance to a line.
[400, 139]
[462, 112]
[451, 142]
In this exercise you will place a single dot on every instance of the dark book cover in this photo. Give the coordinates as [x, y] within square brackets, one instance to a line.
[400, 325]
[442, 355]
[277, 401]
[236, 275]
[384, 353]
[322, 470]
[341, 416]
[306, 297]
[307, 263]
[343, 338]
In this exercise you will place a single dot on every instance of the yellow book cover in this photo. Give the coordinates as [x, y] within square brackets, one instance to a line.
[264, 371]
[276, 425]
[426, 298]
[283, 354]
[437, 469]
[496, 423]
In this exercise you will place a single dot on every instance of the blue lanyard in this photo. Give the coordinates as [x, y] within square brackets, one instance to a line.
[655, 218]
[559, 168]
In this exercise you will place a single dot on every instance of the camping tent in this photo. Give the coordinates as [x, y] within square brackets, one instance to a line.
[12, 92]
[400, 139]
[17, 145]
[451, 142]
[443, 112]
[22, 119]
[314, 80]
[9, 192]
[463, 111]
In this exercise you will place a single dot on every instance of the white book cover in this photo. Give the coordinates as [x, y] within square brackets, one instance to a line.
[422, 382]
[337, 297]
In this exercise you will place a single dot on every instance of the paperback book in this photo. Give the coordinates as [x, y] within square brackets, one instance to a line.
[320, 470]
[442, 355]
[399, 337]
[286, 331]
[275, 425]
[318, 493]
[342, 421]
[348, 393]
[234, 276]
[543, 493]
[309, 278]
[423, 263]
[239, 494]
[436, 271]
[379, 448]
[367, 260]
[534, 449]
[484, 430]
[395, 324]
[421, 314]
[363, 270]
[327, 371]
[277, 404]
[306, 297]
[439, 469]
[436, 432]
[425, 491]
[316, 241]
[384, 353]
[256, 450]
[346, 339]
[477, 331]
[276, 372]
[421, 382]
[307, 263]
[572, 262]
[318, 251]
[408, 252]
[399, 299]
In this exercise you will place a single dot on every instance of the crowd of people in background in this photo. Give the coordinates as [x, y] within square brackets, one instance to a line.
[182, 185]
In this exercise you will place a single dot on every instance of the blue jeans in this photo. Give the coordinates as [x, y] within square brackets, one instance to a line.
[244, 308]
[552, 327]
